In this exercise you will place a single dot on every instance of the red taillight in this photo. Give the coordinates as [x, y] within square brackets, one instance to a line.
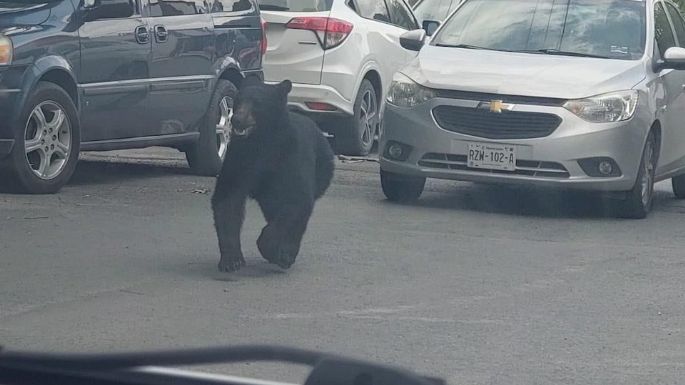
[264, 40]
[335, 31]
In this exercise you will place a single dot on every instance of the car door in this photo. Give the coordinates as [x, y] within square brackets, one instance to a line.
[115, 70]
[181, 67]
[673, 103]
[383, 38]
[675, 84]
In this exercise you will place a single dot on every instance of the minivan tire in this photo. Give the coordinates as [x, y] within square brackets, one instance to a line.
[206, 156]
[678, 183]
[56, 140]
[355, 135]
[638, 201]
[401, 188]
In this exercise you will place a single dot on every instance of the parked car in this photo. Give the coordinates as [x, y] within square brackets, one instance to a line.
[587, 94]
[340, 56]
[89, 75]
[430, 13]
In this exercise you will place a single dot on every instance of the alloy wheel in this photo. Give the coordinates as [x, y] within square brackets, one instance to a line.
[223, 126]
[47, 140]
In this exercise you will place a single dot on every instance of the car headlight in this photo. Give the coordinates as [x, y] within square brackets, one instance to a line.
[5, 50]
[405, 92]
[607, 108]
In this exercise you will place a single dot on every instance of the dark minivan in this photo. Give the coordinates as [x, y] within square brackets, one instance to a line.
[96, 75]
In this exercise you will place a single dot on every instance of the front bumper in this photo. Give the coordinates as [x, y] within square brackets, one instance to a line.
[8, 98]
[573, 140]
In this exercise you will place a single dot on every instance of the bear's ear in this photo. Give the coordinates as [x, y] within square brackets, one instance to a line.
[285, 87]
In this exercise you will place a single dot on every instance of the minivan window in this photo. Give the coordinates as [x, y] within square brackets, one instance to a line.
[598, 28]
[176, 7]
[231, 5]
[296, 5]
[678, 24]
[662, 30]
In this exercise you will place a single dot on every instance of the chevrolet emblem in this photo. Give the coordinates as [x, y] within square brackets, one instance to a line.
[496, 106]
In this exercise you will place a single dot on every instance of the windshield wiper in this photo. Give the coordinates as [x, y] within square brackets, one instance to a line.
[554, 51]
[465, 46]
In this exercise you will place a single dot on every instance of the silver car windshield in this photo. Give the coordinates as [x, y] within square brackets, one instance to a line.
[596, 28]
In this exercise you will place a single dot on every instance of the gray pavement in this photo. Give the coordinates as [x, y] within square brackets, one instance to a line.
[478, 284]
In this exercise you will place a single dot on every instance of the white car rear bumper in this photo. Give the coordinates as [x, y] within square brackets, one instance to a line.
[302, 94]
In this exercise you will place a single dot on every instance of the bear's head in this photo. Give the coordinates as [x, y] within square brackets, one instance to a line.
[259, 107]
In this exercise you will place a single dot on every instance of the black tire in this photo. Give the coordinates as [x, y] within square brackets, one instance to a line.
[678, 183]
[57, 145]
[638, 201]
[401, 188]
[205, 157]
[355, 135]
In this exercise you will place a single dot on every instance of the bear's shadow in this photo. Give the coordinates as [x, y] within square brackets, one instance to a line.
[256, 268]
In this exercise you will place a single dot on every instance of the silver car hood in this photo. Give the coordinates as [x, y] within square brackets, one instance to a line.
[523, 74]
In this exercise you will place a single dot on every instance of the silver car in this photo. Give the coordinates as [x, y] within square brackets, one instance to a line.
[581, 94]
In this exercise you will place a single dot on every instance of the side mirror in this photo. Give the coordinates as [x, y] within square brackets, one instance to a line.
[413, 40]
[108, 9]
[430, 26]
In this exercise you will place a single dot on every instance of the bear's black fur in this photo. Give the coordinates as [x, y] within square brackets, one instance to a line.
[279, 158]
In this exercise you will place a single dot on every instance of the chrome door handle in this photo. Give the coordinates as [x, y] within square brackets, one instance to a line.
[142, 34]
[161, 34]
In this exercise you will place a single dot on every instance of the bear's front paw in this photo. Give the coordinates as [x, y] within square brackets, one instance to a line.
[231, 264]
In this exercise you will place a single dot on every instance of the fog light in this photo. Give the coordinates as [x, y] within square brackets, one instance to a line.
[395, 151]
[605, 168]
[600, 167]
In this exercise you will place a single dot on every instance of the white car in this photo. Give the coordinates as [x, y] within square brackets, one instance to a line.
[341, 56]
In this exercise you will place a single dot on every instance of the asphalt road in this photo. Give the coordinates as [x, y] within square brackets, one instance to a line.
[478, 284]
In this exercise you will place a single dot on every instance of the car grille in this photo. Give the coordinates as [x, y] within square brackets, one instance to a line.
[523, 167]
[505, 125]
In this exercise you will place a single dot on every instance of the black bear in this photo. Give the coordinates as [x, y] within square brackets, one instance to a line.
[279, 158]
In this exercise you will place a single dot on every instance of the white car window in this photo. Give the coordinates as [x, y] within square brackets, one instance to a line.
[374, 10]
[662, 30]
[400, 15]
[678, 24]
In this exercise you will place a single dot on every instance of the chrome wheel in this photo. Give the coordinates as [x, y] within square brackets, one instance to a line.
[223, 126]
[647, 182]
[47, 140]
[368, 112]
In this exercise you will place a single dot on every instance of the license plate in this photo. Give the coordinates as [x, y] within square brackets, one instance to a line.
[491, 156]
